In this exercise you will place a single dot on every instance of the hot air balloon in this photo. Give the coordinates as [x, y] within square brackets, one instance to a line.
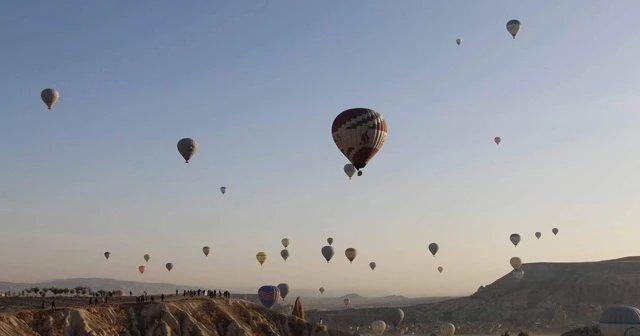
[515, 239]
[120, 292]
[285, 242]
[351, 254]
[284, 290]
[372, 265]
[350, 170]
[206, 250]
[359, 134]
[458, 41]
[284, 254]
[620, 320]
[142, 268]
[169, 266]
[378, 327]
[268, 295]
[321, 289]
[518, 274]
[440, 269]
[49, 97]
[497, 140]
[433, 248]
[107, 254]
[223, 190]
[394, 316]
[447, 329]
[187, 148]
[538, 235]
[515, 263]
[346, 302]
[146, 257]
[329, 240]
[261, 257]
[555, 231]
[328, 252]
[513, 27]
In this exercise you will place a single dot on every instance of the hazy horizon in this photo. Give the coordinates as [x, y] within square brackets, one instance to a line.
[258, 84]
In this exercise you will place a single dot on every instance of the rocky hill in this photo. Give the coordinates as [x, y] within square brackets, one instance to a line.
[551, 296]
[227, 317]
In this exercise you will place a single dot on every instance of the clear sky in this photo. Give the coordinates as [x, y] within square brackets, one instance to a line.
[258, 82]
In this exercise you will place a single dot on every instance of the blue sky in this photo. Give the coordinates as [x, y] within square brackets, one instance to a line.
[257, 83]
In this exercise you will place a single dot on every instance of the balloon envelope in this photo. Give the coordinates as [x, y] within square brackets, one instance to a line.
[350, 170]
[458, 41]
[223, 190]
[351, 254]
[49, 97]
[261, 257]
[187, 147]
[518, 274]
[284, 254]
[169, 266]
[284, 290]
[447, 329]
[107, 255]
[555, 231]
[538, 235]
[285, 242]
[497, 140]
[515, 239]
[120, 292]
[142, 268]
[433, 248]
[378, 327]
[359, 134]
[440, 269]
[321, 289]
[328, 252]
[329, 240]
[268, 295]
[513, 27]
[372, 265]
[206, 251]
[346, 302]
[146, 257]
[395, 316]
[515, 263]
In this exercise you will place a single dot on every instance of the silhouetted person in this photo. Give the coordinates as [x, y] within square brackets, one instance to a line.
[153, 299]
[42, 304]
[321, 320]
[130, 293]
[53, 304]
[90, 301]
[176, 292]
[106, 299]
[214, 293]
[161, 297]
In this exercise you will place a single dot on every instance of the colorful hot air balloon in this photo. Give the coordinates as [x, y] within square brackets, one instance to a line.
[206, 251]
[555, 231]
[329, 240]
[359, 134]
[223, 190]
[515, 239]
[285, 242]
[518, 274]
[378, 327]
[49, 97]
[284, 254]
[321, 289]
[261, 257]
[372, 265]
[513, 27]
[328, 252]
[142, 268]
[440, 269]
[268, 295]
[497, 140]
[146, 257]
[350, 170]
[447, 329]
[433, 248]
[458, 41]
[346, 302]
[284, 290]
[351, 254]
[107, 254]
[515, 263]
[538, 235]
[187, 148]
[169, 266]
[120, 292]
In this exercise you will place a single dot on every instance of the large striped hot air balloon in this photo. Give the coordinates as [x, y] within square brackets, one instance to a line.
[359, 134]
[268, 295]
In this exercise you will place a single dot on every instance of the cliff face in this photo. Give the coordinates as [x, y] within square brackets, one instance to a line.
[189, 317]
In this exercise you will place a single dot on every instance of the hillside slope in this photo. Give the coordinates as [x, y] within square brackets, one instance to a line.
[550, 296]
[187, 317]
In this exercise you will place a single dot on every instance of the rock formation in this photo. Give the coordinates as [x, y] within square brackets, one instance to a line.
[586, 331]
[176, 318]
[298, 309]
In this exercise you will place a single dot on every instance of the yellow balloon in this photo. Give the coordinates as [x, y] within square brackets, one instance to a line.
[515, 263]
[261, 257]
